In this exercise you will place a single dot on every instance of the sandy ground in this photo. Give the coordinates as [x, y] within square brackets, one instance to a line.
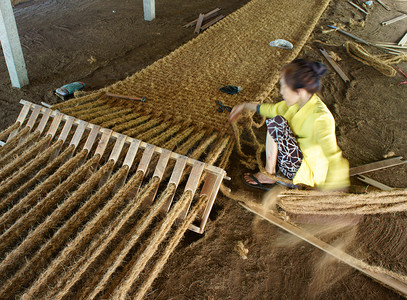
[99, 42]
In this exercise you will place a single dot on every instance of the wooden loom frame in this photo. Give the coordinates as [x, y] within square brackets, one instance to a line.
[212, 181]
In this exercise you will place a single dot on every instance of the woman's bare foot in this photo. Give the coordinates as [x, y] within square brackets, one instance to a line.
[262, 178]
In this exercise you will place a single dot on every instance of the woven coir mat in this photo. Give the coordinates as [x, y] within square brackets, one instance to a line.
[185, 84]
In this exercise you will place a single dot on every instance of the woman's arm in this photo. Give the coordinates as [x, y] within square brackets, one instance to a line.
[240, 108]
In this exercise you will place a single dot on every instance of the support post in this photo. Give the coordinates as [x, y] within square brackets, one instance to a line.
[149, 10]
[10, 42]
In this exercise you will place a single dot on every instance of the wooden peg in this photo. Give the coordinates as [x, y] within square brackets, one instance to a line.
[118, 146]
[91, 138]
[131, 153]
[44, 120]
[55, 125]
[192, 183]
[146, 158]
[78, 133]
[104, 140]
[175, 179]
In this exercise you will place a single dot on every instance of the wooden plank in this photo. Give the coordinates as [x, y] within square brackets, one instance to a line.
[403, 40]
[91, 138]
[199, 23]
[391, 162]
[175, 179]
[374, 183]
[192, 184]
[335, 66]
[358, 7]
[384, 279]
[44, 120]
[117, 149]
[390, 45]
[131, 153]
[210, 188]
[211, 22]
[206, 17]
[162, 164]
[382, 4]
[104, 140]
[146, 158]
[142, 99]
[394, 20]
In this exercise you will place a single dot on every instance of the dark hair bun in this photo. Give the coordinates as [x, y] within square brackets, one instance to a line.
[303, 74]
[318, 68]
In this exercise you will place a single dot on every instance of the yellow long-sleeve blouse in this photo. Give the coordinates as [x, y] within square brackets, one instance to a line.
[314, 127]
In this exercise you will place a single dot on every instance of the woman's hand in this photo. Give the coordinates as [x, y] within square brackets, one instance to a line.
[236, 112]
[239, 109]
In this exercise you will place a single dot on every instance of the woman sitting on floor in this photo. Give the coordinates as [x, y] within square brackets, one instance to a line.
[301, 137]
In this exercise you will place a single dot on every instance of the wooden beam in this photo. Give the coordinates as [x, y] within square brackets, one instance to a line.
[211, 22]
[10, 43]
[374, 183]
[335, 66]
[391, 162]
[394, 20]
[199, 23]
[382, 4]
[206, 17]
[382, 278]
[403, 40]
[149, 10]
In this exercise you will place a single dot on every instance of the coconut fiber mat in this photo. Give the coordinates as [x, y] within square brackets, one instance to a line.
[182, 88]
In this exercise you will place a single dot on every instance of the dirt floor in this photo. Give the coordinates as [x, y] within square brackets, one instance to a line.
[100, 42]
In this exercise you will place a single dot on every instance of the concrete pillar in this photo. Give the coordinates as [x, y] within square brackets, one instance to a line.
[10, 42]
[149, 9]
